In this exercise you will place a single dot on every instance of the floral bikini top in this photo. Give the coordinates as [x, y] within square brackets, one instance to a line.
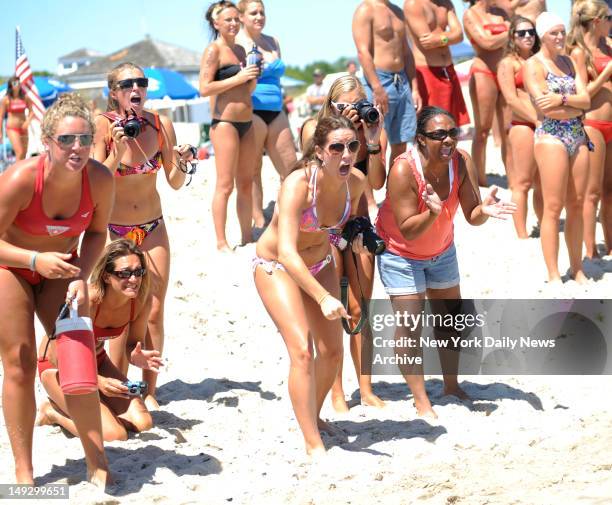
[151, 166]
[560, 84]
[309, 221]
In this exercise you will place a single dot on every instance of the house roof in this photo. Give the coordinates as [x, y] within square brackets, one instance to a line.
[80, 54]
[145, 53]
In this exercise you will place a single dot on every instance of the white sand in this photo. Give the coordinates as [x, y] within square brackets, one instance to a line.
[226, 432]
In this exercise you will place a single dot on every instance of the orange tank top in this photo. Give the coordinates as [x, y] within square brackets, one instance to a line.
[439, 236]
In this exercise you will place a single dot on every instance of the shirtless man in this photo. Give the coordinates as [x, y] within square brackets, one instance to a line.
[388, 68]
[529, 9]
[433, 26]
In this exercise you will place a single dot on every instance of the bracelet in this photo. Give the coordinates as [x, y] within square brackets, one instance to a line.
[323, 298]
[373, 149]
[33, 260]
[444, 40]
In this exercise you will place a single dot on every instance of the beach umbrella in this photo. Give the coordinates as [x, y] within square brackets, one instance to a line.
[48, 88]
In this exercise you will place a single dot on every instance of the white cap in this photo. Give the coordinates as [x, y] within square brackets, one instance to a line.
[546, 21]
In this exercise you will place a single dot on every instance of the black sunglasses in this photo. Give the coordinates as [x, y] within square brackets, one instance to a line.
[85, 139]
[442, 134]
[126, 274]
[526, 33]
[338, 147]
[141, 82]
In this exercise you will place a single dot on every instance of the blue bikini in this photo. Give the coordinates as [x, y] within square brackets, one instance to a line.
[268, 94]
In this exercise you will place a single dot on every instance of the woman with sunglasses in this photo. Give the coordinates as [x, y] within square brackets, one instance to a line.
[523, 42]
[137, 211]
[14, 105]
[225, 77]
[292, 270]
[425, 187]
[120, 305]
[587, 44]
[343, 94]
[486, 26]
[41, 269]
[270, 123]
[558, 90]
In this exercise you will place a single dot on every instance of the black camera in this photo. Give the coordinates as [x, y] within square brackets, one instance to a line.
[367, 111]
[135, 388]
[131, 126]
[361, 224]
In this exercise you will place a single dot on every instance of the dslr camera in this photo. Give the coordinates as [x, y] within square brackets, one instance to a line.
[367, 111]
[131, 126]
[361, 224]
[135, 388]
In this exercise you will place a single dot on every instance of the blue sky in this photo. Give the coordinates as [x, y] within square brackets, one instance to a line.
[307, 30]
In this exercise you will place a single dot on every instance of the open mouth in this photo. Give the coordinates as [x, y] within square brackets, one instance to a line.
[344, 169]
[135, 100]
[75, 158]
[446, 151]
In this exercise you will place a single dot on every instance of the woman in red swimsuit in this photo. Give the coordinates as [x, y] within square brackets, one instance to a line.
[293, 275]
[487, 29]
[523, 42]
[46, 204]
[14, 104]
[229, 82]
[587, 44]
[137, 212]
[120, 304]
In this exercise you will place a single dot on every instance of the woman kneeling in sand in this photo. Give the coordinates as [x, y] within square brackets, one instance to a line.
[293, 272]
[120, 302]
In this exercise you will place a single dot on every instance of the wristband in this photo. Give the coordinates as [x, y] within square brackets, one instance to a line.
[33, 260]
[444, 40]
[323, 298]
[373, 148]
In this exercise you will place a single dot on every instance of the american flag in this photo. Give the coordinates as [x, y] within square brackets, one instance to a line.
[24, 74]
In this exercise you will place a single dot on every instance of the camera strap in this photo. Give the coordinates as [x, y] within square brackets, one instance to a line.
[344, 299]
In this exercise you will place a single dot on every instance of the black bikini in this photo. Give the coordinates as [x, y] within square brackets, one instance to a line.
[221, 74]
[267, 115]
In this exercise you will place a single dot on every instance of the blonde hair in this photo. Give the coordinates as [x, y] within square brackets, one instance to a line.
[106, 264]
[344, 84]
[242, 4]
[112, 78]
[68, 104]
[583, 14]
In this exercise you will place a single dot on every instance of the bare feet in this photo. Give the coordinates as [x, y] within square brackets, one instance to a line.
[579, 277]
[100, 477]
[316, 453]
[424, 409]
[25, 477]
[45, 415]
[151, 403]
[455, 390]
[339, 404]
[371, 400]
[224, 247]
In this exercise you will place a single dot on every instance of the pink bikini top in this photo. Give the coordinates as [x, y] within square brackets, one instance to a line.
[102, 334]
[309, 221]
[34, 221]
[152, 165]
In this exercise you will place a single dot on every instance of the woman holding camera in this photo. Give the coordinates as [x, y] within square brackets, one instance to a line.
[41, 268]
[292, 270]
[120, 306]
[425, 187]
[224, 76]
[343, 94]
[135, 144]
[14, 105]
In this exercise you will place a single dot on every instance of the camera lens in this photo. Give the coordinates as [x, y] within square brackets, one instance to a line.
[132, 128]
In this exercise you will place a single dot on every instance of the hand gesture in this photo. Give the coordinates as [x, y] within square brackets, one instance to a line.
[112, 387]
[147, 360]
[381, 100]
[248, 73]
[494, 207]
[430, 41]
[351, 113]
[54, 265]
[432, 200]
[185, 152]
[332, 308]
[372, 131]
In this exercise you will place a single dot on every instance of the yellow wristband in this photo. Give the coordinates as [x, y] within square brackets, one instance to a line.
[444, 40]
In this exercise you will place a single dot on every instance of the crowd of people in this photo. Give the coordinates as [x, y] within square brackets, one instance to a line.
[396, 128]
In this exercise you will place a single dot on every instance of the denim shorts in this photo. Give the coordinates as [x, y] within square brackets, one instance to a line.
[405, 276]
[400, 120]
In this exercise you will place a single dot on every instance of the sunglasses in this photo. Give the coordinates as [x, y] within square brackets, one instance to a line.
[340, 106]
[85, 139]
[141, 82]
[442, 134]
[126, 274]
[525, 33]
[607, 18]
[339, 147]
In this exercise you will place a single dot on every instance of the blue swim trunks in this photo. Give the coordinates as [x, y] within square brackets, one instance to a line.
[400, 120]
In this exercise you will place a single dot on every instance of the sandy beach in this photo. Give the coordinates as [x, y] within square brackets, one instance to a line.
[226, 432]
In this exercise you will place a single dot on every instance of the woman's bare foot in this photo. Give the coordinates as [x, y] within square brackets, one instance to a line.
[25, 477]
[151, 403]
[339, 404]
[371, 400]
[424, 409]
[455, 390]
[100, 477]
[579, 277]
[316, 453]
[45, 415]
[224, 247]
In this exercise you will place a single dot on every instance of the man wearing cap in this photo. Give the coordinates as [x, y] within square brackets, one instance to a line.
[388, 68]
[315, 93]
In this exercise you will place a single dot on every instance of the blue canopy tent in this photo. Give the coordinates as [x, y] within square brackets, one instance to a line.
[48, 88]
